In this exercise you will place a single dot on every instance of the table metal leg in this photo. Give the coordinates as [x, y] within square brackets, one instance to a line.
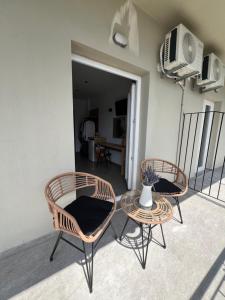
[145, 251]
[164, 242]
[120, 238]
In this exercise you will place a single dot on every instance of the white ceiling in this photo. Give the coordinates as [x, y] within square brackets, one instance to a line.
[90, 83]
[206, 18]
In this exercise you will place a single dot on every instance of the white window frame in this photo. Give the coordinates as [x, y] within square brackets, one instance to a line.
[211, 104]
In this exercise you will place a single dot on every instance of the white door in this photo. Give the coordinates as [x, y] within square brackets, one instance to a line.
[131, 107]
[205, 134]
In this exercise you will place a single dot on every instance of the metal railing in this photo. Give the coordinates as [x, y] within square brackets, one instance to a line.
[202, 152]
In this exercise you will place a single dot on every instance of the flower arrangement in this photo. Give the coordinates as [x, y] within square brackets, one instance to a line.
[150, 177]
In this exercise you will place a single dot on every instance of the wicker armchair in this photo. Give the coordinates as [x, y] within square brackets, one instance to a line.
[174, 187]
[87, 217]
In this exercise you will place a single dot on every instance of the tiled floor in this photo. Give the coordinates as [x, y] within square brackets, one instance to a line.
[191, 267]
[109, 172]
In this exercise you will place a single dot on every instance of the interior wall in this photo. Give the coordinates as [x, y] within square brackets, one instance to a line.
[81, 111]
[36, 116]
[104, 104]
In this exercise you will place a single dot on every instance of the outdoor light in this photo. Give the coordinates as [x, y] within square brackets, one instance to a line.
[120, 39]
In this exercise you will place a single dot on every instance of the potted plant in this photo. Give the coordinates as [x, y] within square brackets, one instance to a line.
[149, 179]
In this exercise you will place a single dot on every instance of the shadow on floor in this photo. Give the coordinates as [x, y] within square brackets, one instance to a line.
[26, 265]
[211, 183]
[214, 201]
[204, 285]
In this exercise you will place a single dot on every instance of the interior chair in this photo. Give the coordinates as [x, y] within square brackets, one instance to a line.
[177, 184]
[86, 218]
[103, 155]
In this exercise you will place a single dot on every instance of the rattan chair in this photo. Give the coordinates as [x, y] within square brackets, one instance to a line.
[86, 218]
[176, 187]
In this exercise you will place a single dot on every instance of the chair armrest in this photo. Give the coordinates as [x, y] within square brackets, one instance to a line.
[182, 180]
[62, 220]
[104, 191]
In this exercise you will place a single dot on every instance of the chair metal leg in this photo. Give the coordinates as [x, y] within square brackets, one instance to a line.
[120, 238]
[56, 245]
[89, 266]
[92, 264]
[164, 242]
[179, 210]
[145, 251]
[89, 263]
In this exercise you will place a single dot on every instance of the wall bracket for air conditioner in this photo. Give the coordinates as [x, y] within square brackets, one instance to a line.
[171, 73]
[205, 90]
[187, 76]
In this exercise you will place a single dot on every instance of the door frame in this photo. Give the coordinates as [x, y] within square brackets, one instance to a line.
[211, 104]
[130, 136]
[92, 63]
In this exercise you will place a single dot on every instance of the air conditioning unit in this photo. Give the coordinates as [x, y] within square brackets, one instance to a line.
[212, 69]
[218, 83]
[183, 52]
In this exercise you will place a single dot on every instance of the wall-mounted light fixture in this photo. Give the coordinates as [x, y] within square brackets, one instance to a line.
[120, 39]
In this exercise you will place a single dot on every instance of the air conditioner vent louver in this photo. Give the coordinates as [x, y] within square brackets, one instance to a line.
[166, 49]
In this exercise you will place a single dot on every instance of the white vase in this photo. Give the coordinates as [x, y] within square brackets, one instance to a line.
[146, 196]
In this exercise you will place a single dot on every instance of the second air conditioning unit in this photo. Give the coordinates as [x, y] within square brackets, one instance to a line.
[183, 52]
[217, 84]
[212, 70]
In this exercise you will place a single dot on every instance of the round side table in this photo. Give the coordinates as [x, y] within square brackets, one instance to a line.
[160, 212]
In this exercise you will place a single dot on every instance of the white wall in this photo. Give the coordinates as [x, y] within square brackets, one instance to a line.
[36, 117]
[80, 114]
[193, 102]
[104, 103]
[36, 126]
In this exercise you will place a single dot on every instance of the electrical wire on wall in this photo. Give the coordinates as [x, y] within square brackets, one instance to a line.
[180, 119]
[182, 86]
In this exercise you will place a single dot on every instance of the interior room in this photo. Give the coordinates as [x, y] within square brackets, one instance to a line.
[100, 102]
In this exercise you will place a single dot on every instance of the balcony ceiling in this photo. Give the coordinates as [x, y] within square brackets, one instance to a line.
[206, 18]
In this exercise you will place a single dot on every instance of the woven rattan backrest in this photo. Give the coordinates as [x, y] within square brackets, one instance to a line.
[159, 166]
[67, 183]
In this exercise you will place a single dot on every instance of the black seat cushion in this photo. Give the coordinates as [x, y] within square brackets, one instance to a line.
[89, 212]
[166, 186]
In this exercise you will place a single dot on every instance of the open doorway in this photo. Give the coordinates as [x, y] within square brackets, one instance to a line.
[105, 109]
